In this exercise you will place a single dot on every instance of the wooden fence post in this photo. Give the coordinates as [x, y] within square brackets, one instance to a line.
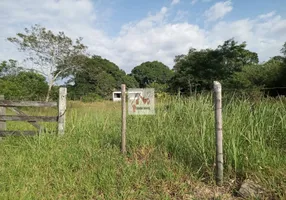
[219, 136]
[123, 126]
[2, 112]
[62, 110]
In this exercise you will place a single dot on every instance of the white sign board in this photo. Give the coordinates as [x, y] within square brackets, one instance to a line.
[141, 101]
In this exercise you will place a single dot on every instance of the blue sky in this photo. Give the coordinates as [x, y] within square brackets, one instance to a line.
[129, 32]
[124, 11]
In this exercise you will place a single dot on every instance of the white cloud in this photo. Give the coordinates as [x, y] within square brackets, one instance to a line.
[70, 17]
[268, 15]
[174, 2]
[151, 38]
[158, 42]
[181, 15]
[193, 2]
[218, 10]
[264, 36]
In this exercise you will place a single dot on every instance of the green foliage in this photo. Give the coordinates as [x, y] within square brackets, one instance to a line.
[17, 83]
[91, 97]
[281, 80]
[55, 55]
[250, 76]
[150, 72]
[25, 85]
[163, 96]
[158, 87]
[54, 95]
[234, 55]
[101, 77]
[198, 69]
[283, 50]
[130, 81]
[256, 77]
[10, 67]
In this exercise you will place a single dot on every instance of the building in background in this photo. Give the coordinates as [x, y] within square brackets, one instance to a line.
[116, 95]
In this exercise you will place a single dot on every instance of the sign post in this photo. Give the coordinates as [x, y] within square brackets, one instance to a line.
[123, 126]
[140, 102]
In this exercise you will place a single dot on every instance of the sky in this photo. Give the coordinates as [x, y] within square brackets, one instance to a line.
[129, 32]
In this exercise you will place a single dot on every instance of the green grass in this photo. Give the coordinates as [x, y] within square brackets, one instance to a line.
[170, 155]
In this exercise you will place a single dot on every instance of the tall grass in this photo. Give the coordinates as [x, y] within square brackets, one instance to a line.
[169, 154]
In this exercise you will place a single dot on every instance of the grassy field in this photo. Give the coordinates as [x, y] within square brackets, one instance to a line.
[170, 155]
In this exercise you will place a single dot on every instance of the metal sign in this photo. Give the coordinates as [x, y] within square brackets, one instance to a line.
[141, 101]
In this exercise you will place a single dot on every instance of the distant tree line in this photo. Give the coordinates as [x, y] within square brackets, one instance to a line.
[56, 57]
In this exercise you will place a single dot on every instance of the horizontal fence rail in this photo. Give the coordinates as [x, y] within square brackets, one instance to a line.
[28, 118]
[21, 113]
[7, 103]
[17, 133]
[21, 116]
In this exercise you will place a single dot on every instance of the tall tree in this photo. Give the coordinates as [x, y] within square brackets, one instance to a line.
[101, 77]
[54, 55]
[150, 72]
[199, 68]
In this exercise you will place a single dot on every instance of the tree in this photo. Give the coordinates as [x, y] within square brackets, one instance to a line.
[252, 78]
[9, 68]
[54, 55]
[281, 80]
[130, 81]
[283, 50]
[150, 72]
[158, 87]
[199, 68]
[21, 83]
[100, 77]
[235, 55]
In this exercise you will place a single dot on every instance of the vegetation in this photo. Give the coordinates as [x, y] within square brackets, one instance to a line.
[170, 155]
[93, 78]
[17, 83]
[53, 55]
[99, 77]
[152, 74]
[199, 69]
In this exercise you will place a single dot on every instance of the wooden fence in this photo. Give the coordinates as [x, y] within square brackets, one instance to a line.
[21, 116]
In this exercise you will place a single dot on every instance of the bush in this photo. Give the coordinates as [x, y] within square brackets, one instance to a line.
[91, 97]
